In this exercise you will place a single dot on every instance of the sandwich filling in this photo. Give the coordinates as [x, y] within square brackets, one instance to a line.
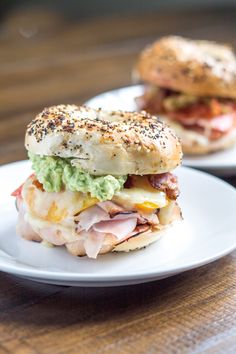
[61, 204]
[212, 117]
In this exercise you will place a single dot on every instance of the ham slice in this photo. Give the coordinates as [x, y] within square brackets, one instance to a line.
[103, 225]
[93, 243]
[91, 216]
[138, 230]
[23, 228]
[119, 228]
[119, 213]
[53, 236]
[111, 208]
[213, 128]
[102, 220]
[223, 123]
[151, 219]
[95, 214]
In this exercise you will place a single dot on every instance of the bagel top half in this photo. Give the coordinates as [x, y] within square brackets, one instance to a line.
[104, 142]
[195, 67]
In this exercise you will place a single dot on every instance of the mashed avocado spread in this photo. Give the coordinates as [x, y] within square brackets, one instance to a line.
[179, 101]
[56, 173]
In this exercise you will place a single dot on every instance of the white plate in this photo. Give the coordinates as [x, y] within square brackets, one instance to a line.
[208, 233]
[222, 163]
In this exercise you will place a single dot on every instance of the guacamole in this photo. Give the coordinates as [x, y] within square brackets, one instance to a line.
[56, 173]
[174, 102]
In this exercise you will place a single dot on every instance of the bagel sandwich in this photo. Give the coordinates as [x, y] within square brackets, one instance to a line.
[102, 180]
[191, 85]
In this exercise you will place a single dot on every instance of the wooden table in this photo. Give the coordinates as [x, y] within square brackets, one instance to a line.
[47, 60]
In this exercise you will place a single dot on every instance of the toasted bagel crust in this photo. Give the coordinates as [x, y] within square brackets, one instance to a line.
[200, 68]
[103, 142]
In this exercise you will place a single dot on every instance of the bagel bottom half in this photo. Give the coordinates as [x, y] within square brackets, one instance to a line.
[140, 241]
[194, 143]
[133, 243]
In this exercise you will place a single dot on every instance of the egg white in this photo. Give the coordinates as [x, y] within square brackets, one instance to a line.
[132, 196]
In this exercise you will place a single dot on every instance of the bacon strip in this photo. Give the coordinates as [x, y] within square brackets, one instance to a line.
[165, 182]
[152, 100]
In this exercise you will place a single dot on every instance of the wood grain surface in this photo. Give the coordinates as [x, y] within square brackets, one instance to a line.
[47, 60]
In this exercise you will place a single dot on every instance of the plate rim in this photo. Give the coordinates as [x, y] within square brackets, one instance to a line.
[25, 270]
[69, 276]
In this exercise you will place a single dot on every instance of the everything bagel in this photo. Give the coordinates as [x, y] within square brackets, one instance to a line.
[105, 142]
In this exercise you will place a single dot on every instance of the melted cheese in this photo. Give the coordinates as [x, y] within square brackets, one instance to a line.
[55, 207]
[141, 196]
[133, 196]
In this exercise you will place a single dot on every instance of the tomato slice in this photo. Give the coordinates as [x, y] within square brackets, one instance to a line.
[17, 192]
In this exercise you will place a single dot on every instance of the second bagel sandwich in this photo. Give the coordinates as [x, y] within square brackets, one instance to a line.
[102, 180]
[191, 84]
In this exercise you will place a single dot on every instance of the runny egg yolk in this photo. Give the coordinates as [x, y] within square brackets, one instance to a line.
[147, 206]
[88, 202]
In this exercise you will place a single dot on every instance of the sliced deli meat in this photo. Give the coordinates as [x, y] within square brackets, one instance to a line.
[166, 182]
[111, 208]
[93, 243]
[53, 236]
[119, 228]
[91, 216]
[23, 227]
